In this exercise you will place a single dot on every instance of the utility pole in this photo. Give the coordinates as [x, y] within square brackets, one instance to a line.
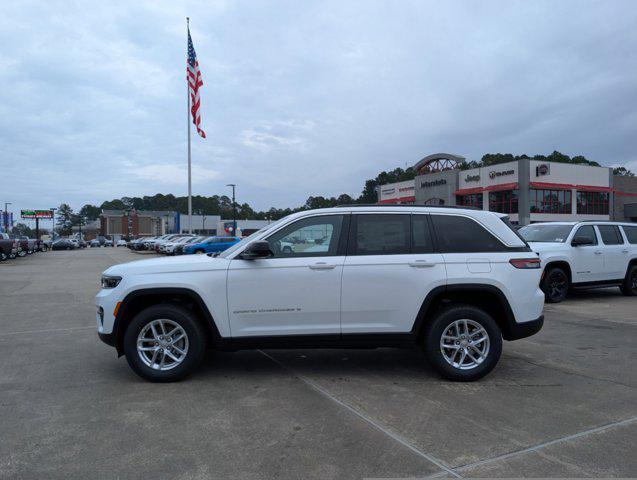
[234, 210]
[6, 217]
[53, 226]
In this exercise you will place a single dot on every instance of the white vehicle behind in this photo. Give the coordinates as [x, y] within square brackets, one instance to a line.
[584, 255]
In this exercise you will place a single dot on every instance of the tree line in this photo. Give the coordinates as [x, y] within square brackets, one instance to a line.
[222, 204]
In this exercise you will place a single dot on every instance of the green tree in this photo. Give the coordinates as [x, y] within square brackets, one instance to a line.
[23, 230]
[65, 220]
[90, 212]
[622, 172]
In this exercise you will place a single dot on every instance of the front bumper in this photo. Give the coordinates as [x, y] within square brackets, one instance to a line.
[107, 338]
[517, 331]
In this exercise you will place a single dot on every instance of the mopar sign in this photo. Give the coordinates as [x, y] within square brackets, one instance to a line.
[493, 174]
[542, 169]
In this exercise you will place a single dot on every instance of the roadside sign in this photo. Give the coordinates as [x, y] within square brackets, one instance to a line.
[46, 214]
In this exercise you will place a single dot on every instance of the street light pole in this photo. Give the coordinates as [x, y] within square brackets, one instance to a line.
[6, 217]
[53, 226]
[234, 210]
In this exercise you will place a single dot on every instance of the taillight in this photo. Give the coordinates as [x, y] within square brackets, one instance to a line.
[525, 262]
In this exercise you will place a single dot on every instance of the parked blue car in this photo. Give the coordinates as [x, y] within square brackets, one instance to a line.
[211, 245]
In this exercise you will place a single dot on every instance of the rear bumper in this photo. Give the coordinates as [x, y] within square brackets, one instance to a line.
[526, 329]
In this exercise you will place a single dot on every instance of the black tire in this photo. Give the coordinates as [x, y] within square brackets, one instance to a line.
[629, 287]
[199, 251]
[3, 257]
[439, 325]
[187, 321]
[555, 285]
[22, 253]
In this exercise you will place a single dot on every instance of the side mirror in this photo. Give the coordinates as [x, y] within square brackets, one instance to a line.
[256, 250]
[581, 241]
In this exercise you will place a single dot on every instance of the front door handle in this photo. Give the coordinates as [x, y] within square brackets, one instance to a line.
[322, 266]
[598, 253]
[624, 251]
[421, 264]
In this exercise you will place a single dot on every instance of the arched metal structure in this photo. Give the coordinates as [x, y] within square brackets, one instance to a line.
[438, 162]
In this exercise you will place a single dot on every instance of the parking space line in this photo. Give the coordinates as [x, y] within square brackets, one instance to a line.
[547, 444]
[439, 463]
[47, 330]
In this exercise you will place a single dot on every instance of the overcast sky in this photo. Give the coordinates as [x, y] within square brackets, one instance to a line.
[302, 98]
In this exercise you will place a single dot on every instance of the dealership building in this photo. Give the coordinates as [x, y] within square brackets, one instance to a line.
[527, 190]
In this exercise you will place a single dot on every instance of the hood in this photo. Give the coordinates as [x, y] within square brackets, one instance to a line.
[541, 247]
[168, 265]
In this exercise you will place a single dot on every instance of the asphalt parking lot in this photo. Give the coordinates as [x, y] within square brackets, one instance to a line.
[560, 404]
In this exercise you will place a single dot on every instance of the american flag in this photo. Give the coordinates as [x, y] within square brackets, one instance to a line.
[194, 82]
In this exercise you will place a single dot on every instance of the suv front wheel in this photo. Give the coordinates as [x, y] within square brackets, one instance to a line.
[629, 287]
[463, 343]
[164, 343]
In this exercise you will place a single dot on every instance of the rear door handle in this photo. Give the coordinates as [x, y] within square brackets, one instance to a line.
[322, 266]
[624, 251]
[421, 264]
[598, 253]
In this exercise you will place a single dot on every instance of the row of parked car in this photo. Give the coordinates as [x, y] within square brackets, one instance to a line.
[13, 247]
[183, 244]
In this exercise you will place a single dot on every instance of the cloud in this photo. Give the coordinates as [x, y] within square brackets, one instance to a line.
[302, 98]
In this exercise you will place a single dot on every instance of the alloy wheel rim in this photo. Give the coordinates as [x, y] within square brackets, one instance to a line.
[162, 344]
[557, 285]
[465, 344]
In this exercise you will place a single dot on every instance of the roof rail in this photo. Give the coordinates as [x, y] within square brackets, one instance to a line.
[344, 205]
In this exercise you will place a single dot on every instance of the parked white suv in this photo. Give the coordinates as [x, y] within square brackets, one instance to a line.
[453, 282]
[584, 254]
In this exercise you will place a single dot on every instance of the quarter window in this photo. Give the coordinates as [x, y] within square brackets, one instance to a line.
[456, 234]
[610, 234]
[587, 231]
[308, 237]
[631, 234]
[382, 234]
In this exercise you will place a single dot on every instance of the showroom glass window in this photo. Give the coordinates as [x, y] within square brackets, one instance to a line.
[382, 234]
[550, 201]
[457, 234]
[471, 200]
[592, 203]
[310, 237]
[610, 234]
[505, 201]
[631, 234]
[588, 232]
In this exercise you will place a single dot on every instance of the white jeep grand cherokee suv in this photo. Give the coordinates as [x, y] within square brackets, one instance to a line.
[452, 282]
[584, 254]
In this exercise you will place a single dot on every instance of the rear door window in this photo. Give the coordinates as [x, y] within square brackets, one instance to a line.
[457, 234]
[420, 235]
[610, 234]
[382, 234]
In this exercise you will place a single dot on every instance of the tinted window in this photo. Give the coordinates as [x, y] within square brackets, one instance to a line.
[588, 232]
[631, 234]
[421, 236]
[382, 234]
[461, 235]
[610, 234]
[309, 237]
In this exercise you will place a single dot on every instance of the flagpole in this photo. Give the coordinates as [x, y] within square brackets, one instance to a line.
[188, 122]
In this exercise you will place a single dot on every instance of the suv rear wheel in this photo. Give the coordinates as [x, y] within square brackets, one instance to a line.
[463, 343]
[629, 287]
[164, 343]
[555, 285]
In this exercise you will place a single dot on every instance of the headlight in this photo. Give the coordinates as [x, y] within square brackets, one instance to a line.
[110, 282]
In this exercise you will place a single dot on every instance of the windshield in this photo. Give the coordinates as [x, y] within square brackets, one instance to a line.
[249, 238]
[546, 233]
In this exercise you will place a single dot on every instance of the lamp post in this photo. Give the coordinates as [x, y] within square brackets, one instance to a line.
[234, 209]
[53, 226]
